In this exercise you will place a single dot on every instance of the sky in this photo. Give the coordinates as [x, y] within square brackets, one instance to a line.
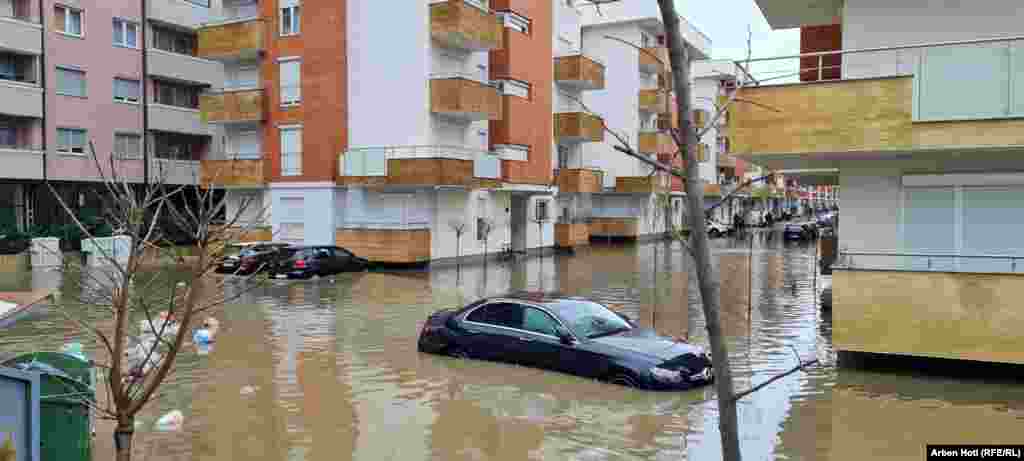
[726, 22]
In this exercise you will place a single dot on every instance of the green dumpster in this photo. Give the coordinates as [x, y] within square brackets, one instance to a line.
[66, 388]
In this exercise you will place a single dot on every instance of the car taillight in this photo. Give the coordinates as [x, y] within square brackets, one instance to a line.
[300, 264]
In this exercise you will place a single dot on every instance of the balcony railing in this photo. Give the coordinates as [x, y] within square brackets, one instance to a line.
[231, 39]
[654, 142]
[874, 98]
[428, 164]
[232, 172]
[580, 71]
[654, 60]
[465, 24]
[579, 180]
[653, 100]
[232, 106]
[930, 262]
[464, 97]
[572, 127]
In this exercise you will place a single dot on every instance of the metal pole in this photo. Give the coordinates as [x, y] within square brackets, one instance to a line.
[750, 280]
[821, 70]
[145, 98]
[42, 83]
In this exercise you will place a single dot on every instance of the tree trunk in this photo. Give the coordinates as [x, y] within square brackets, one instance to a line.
[123, 435]
[707, 279]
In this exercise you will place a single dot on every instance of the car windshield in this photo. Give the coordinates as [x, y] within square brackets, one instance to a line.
[588, 319]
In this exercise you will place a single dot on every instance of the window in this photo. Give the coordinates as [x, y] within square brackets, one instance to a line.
[68, 20]
[291, 151]
[174, 94]
[515, 21]
[205, 3]
[126, 90]
[18, 67]
[538, 321]
[71, 141]
[499, 314]
[127, 146]
[125, 33]
[177, 146]
[291, 82]
[70, 82]
[290, 17]
[8, 136]
[541, 211]
[173, 40]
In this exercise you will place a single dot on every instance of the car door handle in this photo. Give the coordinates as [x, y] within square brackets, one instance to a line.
[525, 339]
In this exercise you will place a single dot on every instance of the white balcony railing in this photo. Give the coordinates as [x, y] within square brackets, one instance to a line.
[940, 71]
[373, 161]
[463, 75]
[929, 262]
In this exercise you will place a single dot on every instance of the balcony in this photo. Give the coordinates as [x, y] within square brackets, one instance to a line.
[576, 127]
[232, 106]
[579, 71]
[185, 68]
[569, 235]
[463, 24]
[21, 99]
[181, 13]
[654, 60]
[615, 227]
[420, 166]
[235, 39]
[580, 180]
[655, 101]
[885, 104]
[176, 119]
[655, 142]
[21, 162]
[232, 173]
[20, 33]
[177, 172]
[642, 184]
[396, 246]
[465, 98]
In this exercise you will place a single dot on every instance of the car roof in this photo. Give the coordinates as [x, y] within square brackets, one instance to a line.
[543, 298]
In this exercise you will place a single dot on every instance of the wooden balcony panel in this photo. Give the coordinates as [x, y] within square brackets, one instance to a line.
[654, 101]
[231, 173]
[615, 227]
[457, 24]
[233, 40]
[580, 180]
[420, 172]
[654, 142]
[396, 246]
[232, 106]
[580, 71]
[651, 64]
[578, 127]
[641, 184]
[465, 99]
[572, 235]
[669, 121]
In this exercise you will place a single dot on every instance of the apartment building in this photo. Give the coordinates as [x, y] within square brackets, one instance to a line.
[637, 103]
[77, 72]
[916, 105]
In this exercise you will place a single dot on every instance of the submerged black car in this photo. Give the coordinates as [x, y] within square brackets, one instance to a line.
[250, 257]
[306, 262]
[568, 334]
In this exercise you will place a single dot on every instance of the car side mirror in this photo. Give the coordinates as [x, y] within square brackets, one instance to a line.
[564, 336]
[624, 317]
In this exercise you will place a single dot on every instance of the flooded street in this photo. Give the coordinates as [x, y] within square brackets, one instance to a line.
[330, 371]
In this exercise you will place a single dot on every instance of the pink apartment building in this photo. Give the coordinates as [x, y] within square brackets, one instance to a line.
[76, 71]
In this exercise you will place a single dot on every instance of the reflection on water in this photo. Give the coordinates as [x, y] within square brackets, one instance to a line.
[328, 370]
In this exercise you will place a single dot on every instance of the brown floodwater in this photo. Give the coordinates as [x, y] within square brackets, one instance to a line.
[331, 372]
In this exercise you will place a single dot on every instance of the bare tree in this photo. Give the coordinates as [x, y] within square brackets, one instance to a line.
[686, 137]
[458, 225]
[144, 282]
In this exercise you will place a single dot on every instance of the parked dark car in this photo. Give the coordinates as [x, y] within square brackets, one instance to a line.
[567, 334]
[306, 262]
[250, 257]
[796, 231]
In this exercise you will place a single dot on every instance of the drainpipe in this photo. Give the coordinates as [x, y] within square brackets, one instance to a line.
[42, 83]
[145, 92]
